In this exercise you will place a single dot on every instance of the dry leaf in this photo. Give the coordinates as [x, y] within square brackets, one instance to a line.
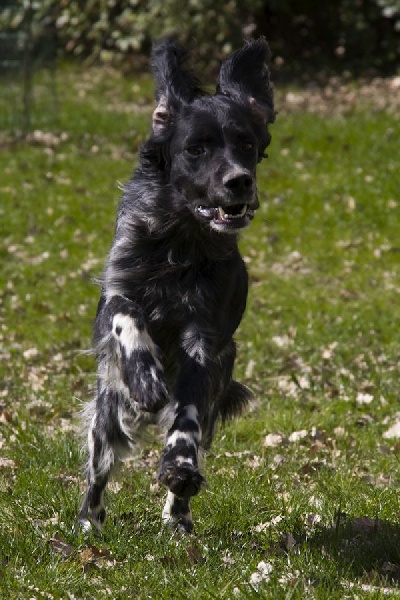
[273, 439]
[194, 554]
[261, 527]
[262, 574]
[364, 398]
[168, 561]
[277, 460]
[92, 554]
[6, 463]
[5, 416]
[297, 435]
[393, 431]
[61, 547]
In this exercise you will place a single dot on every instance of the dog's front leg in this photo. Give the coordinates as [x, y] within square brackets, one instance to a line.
[179, 466]
[121, 322]
[130, 381]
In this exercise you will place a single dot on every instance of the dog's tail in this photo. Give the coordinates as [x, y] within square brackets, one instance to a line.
[234, 400]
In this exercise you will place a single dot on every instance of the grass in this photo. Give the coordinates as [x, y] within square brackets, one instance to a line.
[317, 514]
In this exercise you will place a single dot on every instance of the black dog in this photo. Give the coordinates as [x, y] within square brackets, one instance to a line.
[174, 288]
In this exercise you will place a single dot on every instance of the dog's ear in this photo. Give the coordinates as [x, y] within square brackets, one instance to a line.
[244, 76]
[175, 84]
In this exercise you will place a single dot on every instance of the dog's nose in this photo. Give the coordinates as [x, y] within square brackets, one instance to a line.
[238, 181]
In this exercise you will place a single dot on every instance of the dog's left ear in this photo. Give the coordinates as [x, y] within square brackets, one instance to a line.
[244, 76]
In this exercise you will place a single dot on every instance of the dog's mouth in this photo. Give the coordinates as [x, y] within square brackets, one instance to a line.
[230, 218]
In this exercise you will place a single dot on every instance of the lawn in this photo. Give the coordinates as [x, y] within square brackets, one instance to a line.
[302, 495]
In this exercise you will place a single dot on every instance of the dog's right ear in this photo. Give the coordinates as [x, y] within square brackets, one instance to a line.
[175, 84]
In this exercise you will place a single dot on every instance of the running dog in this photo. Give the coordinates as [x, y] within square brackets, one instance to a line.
[174, 287]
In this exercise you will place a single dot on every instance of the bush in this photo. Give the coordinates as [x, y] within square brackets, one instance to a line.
[359, 33]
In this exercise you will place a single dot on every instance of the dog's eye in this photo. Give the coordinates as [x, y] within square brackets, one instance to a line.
[247, 146]
[197, 150]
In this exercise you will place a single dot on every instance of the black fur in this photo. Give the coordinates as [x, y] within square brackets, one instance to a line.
[174, 287]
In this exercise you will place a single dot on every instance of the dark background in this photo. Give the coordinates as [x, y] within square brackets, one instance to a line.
[307, 38]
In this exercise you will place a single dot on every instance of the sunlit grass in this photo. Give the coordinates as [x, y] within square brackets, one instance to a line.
[319, 346]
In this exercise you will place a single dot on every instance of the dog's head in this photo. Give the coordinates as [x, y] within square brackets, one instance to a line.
[209, 145]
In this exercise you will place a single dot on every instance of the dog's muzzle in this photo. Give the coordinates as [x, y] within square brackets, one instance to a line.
[227, 218]
[235, 203]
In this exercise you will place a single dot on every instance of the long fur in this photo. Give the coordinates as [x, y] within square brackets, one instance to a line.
[174, 287]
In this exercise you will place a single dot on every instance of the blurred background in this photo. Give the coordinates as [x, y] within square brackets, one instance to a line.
[310, 39]
[358, 35]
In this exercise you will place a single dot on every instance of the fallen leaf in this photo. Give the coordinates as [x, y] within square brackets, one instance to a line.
[282, 341]
[277, 460]
[30, 353]
[364, 398]
[5, 416]
[61, 547]
[250, 368]
[228, 559]
[195, 555]
[168, 561]
[313, 519]
[254, 463]
[311, 467]
[339, 431]
[92, 554]
[273, 439]
[392, 432]
[6, 463]
[261, 527]
[297, 435]
[262, 574]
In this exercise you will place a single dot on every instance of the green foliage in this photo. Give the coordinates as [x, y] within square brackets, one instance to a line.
[360, 35]
[111, 30]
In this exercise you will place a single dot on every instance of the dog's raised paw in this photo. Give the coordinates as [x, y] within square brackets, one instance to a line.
[154, 397]
[182, 481]
[145, 380]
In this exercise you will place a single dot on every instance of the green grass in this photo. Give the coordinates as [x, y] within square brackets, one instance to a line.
[320, 336]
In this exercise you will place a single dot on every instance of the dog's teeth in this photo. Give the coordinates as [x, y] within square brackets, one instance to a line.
[227, 215]
[221, 212]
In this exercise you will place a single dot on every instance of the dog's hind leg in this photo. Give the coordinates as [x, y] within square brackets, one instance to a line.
[109, 441]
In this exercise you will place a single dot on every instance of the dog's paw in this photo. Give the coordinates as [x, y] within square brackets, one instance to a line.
[145, 380]
[89, 523]
[180, 525]
[152, 395]
[183, 481]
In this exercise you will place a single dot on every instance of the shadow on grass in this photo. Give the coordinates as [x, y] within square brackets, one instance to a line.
[361, 546]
